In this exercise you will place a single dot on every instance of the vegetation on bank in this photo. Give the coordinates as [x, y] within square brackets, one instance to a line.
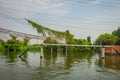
[117, 33]
[109, 39]
[59, 37]
[1, 48]
[14, 44]
[106, 39]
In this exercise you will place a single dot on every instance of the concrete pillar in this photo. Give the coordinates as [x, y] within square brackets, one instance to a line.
[41, 52]
[103, 52]
[51, 58]
[66, 50]
[51, 50]
[58, 49]
[103, 63]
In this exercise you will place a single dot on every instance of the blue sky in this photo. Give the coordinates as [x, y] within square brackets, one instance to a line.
[82, 17]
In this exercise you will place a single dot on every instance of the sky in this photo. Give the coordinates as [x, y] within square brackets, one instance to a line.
[82, 17]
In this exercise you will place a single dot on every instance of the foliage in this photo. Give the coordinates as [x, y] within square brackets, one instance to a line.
[81, 42]
[117, 33]
[12, 44]
[57, 35]
[46, 31]
[53, 33]
[35, 48]
[106, 39]
[13, 37]
[26, 40]
[1, 48]
[1, 40]
[69, 37]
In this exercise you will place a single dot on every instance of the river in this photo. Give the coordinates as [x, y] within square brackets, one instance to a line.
[59, 66]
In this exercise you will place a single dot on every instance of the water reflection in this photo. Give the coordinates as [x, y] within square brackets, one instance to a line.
[59, 66]
[10, 56]
[66, 59]
[112, 62]
[63, 59]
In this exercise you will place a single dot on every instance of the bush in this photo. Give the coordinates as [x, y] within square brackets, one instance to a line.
[12, 44]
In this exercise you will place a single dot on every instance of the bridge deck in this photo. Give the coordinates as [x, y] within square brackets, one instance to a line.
[74, 45]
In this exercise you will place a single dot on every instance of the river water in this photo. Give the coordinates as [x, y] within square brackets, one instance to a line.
[59, 66]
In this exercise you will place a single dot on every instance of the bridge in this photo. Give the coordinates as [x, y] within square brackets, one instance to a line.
[6, 31]
[20, 34]
[71, 45]
[74, 45]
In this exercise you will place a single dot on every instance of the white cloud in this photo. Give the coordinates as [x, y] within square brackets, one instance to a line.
[96, 1]
[53, 7]
[13, 12]
[26, 8]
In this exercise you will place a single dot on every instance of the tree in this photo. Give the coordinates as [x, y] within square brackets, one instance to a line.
[69, 37]
[13, 37]
[106, 39]
[26, 40]
[117, 33]
[12, 44]
[81, 42]
[1, 40]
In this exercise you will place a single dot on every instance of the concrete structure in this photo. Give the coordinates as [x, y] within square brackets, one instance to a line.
[112, 50]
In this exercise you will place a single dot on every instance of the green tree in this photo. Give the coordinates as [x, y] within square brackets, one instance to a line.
[1, 40]
[117, 33]
[106, 39]
[69, 37]
[81, 42]
[13, 37]
[12, 44]
[26, 40]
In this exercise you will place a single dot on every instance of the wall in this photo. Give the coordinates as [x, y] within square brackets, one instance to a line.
[112, 50]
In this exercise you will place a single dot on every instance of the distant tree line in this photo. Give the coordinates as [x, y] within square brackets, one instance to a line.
[14, 44]
[109, 39]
